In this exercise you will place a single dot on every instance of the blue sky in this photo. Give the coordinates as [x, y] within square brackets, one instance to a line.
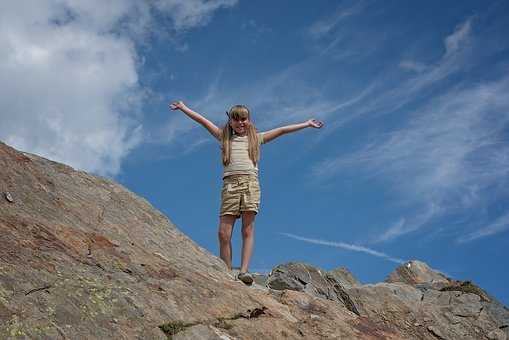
[413, 162]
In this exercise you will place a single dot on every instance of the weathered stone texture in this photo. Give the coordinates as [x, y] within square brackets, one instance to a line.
[81, 257]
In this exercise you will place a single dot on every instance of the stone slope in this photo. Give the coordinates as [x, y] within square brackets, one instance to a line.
[81, 257]
[84, 258]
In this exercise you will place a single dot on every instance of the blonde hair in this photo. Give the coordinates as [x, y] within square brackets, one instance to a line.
[239, 112]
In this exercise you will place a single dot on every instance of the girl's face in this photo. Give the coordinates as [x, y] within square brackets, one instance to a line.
[240, 125]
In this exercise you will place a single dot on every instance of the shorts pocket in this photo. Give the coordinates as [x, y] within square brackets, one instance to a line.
[254, 185]
[234, 188]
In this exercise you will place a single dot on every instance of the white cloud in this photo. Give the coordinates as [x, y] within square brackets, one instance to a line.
[69, 77]
[498, 226]
[346, 246]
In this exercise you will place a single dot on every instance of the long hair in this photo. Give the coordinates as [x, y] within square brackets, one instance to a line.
[239, 112]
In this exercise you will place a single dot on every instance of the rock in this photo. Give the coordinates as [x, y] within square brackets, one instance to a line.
[497, 334]
[452, 314]
[200, 332]
[260, 279]
[500, 313]
[304, 277]
[436, 332]
[466, 305]
[293, 276]
[81, 257]
[343, 277]
[416, 272]
[479, 303]
[385, 298]
[466, 287]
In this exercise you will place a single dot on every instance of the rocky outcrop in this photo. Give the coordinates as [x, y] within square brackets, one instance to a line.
[416, 301]
[417, 272]
[81, 257]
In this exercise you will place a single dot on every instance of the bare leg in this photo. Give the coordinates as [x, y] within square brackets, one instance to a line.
[226, 223]
[248, 222]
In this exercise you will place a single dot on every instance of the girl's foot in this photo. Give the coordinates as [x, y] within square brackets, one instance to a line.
[246, 278]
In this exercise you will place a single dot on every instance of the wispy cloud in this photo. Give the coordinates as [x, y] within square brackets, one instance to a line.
[324, 26]
[346, 246]
[339, 37]
[191, 13]
[275, 99]
[413, 66]
[451, 61]
[212, 103]
[454, 59]
[255, 30]
[455, 41]
[500, 225]
[449, 142]
[450, 152]
[391, 90]
[407, 225]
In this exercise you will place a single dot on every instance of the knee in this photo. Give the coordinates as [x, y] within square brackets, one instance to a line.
[247, 231]
[224, 235]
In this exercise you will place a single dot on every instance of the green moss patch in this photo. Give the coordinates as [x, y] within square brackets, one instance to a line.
[173, 327]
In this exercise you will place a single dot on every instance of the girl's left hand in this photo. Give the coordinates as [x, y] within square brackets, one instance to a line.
[315, 123]
[178, 105]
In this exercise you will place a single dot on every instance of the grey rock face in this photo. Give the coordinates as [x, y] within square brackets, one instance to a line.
[306, 278]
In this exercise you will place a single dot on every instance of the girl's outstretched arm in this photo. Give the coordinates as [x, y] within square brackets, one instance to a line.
[270, 135]
[207, 124]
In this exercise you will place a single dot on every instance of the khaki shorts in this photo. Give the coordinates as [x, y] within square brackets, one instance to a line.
[240, 193]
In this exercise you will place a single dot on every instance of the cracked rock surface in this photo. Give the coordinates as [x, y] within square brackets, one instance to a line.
[82, 257]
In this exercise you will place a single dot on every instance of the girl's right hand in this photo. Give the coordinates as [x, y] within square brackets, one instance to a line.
[178, 105]
[315, 123]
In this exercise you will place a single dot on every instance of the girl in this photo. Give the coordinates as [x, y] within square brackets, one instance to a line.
[240, 196]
